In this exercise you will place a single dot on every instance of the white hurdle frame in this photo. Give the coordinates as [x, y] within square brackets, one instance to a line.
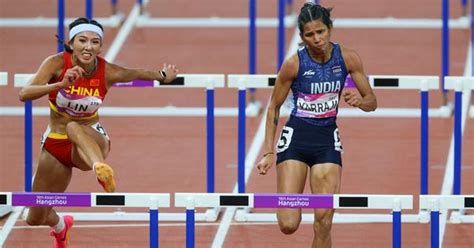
[339, 201]
[4, 210]
[462, 87]
[208, 81]
[422, 83]
[437, 203]
[3, 78]
[242, 81]
[166, 111]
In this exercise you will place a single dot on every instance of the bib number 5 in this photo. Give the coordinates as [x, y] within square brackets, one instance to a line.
[285, 139]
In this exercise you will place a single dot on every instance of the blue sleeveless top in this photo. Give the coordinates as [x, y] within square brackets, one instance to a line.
[318, 87]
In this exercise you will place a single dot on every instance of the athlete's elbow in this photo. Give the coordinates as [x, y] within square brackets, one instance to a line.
[22, 96]
[372, 107]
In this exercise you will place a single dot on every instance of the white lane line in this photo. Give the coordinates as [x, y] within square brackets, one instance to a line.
[124, 32]
[9, 224]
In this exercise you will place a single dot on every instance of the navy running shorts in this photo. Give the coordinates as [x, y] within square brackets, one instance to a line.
[308, 143]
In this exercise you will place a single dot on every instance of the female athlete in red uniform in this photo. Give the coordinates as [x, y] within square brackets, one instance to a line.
[76, 81]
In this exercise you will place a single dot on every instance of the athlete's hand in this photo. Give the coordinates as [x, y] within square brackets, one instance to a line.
[352, 98]
[71, 75]
[171, 72]
[266, 163]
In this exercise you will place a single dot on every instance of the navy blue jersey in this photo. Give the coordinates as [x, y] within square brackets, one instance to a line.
[318, 87]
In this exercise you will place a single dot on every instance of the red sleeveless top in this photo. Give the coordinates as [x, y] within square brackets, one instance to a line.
[83, 98]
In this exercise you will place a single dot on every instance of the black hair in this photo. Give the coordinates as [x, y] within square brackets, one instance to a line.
[312, 12]
[80, 20]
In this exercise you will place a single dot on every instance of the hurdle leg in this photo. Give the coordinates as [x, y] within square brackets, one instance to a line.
[210, 141]
[190, 227]
[397, 223]
[457, 140]
[153, 227]
[435, 229]
[397, 229]
[241, 142]
[424, 127]
[28, 145]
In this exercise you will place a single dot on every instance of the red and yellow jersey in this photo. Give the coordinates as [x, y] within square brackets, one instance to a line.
[84, 97]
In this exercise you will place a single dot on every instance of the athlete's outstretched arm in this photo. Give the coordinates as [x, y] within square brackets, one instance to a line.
[285, 78]
[50, 68]
[367, 100]
[115, 73]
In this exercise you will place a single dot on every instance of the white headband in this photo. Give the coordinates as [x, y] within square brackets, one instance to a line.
[85, 27]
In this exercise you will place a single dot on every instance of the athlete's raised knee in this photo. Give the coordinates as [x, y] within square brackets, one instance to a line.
[73, 127]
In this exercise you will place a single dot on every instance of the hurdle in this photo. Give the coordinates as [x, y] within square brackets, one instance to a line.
[339, 201]
[437, 203]
[462, 87]
[45, 199]
[4, 210]
[208, 81]
[422, 83]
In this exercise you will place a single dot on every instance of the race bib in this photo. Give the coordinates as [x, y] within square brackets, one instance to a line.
[77, 106]
[317, 105]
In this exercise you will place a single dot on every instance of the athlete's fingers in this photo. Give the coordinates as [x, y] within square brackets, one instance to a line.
[348, 96]
[262, 168]
[79, 70]
[74, 75]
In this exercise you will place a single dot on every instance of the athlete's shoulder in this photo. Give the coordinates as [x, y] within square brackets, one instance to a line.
[52, 65]
[290, 66]
[347, 52]
[56, 60]
[291, 61]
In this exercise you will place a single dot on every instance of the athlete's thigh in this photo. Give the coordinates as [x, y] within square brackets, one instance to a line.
[99, 136]
[291, 179]
[291, 176]
[325, 179]
[51, 176]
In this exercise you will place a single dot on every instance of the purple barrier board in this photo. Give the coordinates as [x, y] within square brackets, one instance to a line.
[292, 201]
[51, 199]
[135, 83]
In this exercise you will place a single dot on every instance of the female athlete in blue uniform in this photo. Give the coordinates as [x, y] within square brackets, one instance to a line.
[310, 139]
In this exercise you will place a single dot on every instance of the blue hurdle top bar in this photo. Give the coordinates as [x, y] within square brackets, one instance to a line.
[46, 199]
[340, 201]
